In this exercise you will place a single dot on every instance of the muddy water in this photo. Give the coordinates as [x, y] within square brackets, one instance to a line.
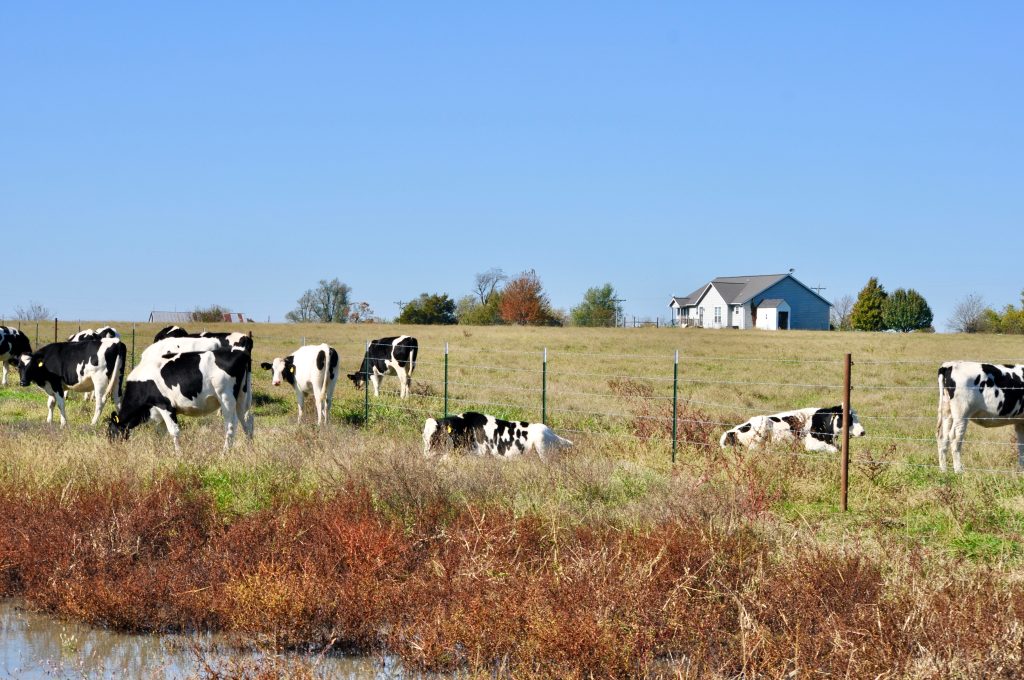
[38, 646]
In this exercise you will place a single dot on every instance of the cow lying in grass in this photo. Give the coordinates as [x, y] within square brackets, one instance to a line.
[816, 428]
[986, 394]
[483, 435]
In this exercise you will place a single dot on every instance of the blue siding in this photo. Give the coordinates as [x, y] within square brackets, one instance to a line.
[808, 311]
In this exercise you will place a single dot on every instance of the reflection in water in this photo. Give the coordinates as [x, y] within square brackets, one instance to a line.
[37, 646]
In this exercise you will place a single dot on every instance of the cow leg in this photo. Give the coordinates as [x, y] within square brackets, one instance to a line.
[3, 366]
[300, 397]
[944, 434]
[375, 380]
[404, 382]
[245, 419]
[59, 398]
[1019, 430]
[957, 431]
[50, 401]
[171, 421]
[228, 408]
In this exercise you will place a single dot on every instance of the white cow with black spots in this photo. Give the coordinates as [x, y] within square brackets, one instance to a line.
[990, 395]
[816, 428]
[311, 370]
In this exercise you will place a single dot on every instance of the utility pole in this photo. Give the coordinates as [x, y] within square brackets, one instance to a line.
[615, 301]
[818, 289]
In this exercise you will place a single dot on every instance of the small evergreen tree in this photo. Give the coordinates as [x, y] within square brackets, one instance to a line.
[867, 311]
[906, 310]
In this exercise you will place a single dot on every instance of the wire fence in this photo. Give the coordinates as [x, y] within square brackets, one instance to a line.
[654, 400]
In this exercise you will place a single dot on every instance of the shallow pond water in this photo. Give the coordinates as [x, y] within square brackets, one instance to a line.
[39, 646]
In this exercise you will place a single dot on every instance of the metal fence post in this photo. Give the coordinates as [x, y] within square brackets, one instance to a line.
[366, 387]
[37, 334]
[133, 346]
[675, 402]
[55, 329]
[544, 389]
[844, 469]
[446, 380]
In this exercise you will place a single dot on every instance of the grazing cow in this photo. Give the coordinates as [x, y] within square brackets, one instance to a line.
[817, 428]
[97, 334]
[173, 345]
[388, 356]
[91, 365]
[986, 394]
[236, 340]
[13, 343]
[312, 370]
[186, 383]
[482, 435]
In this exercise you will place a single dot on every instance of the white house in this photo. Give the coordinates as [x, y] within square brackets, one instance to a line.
[766, 301]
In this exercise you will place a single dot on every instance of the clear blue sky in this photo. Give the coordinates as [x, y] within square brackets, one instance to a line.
[235, 153]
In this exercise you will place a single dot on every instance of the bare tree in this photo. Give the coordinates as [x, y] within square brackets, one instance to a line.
[842, 309]
[34, 312]
[327, 303]
[968, 315]
[487, 282]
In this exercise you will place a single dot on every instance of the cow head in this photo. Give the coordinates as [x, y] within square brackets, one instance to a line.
[280, 368]
[28, 368]
[832, 428]
[116, 428]
[357, 378]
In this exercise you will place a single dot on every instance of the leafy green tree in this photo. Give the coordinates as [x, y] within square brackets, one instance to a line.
[327, 303]
[429, 309]
[472, 312]
[867, 311]
[906, 310]
[599, 307]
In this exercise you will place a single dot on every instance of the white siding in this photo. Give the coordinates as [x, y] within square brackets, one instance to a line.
[768, 317]
[708, 303]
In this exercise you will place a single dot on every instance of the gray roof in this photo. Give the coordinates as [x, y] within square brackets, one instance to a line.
[735, 290]
[770, 303]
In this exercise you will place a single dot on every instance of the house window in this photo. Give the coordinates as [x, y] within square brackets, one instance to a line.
[718, 315]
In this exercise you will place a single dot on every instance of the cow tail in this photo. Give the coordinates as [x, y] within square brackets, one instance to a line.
[118, 375]
[944, 406]
[327, 372]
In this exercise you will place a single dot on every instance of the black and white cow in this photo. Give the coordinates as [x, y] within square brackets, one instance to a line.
[187, 383]
[13, 343]
[483, 435]
[987, 394]
[388, 356]
[91, 365]
[235, 340]
[817, 428]
[312, 370]
[94, 334]
[174, 345]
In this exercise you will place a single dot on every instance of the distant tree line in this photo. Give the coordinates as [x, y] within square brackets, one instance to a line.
[972, 315]
[496, 298]
[875, 309]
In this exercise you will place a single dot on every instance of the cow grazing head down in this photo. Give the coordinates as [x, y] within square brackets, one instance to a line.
[116, 430]
[281, 369]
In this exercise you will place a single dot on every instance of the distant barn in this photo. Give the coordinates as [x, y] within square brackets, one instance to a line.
[189, 317]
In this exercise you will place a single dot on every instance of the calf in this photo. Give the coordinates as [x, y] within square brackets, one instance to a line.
[816, 428]
[482, 435]
[97, 334]
[986, 394]
[235, 340]
[186, 383]
[13, 343]
[388, 356]
[91, 365]
[313, 370]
